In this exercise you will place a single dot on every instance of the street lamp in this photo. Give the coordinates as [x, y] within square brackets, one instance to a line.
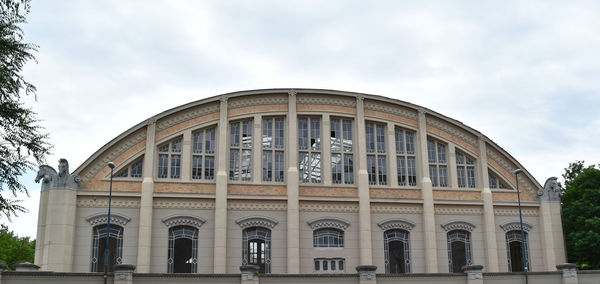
[523, 247]
[111, 165]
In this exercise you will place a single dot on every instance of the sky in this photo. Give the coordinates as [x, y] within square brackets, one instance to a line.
[523, 73]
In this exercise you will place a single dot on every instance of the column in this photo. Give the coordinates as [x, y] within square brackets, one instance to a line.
[220, 240]
[392, 160]
[293, 208]
[186, 156]
[364, 203]
[569, 273]
[124, 274]
[429, 235]
[551, 225]
[249, 274]
[366, 274]
[144, 252]
[474, 273]
[257, 149]
[326, 146]
[489, 220]
[453, 175]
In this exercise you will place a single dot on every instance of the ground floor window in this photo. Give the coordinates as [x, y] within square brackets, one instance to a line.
[331, 265]
[115, 247]
[397, 252]
[459, 250]
[257, 248]
[514, 249]
[183, 249]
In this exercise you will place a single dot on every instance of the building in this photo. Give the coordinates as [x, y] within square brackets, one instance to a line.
[298, 181]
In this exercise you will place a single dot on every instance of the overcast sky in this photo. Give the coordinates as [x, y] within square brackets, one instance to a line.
[524, 73]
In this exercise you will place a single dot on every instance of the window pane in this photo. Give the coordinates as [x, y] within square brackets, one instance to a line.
[348, 169]
[163, 162]
[246, 165]
[412, 171]
[492, 181]
[382, 170]
[267, 137]
[433, 175]
[460, 158]
[399, 141]
[279, 166]
[176, 146]
[136, 168]
[303, 133]
[471, 176]
[209, 167]
[303, 167]
[460, 171]
[401, 171]
[267, 161]
[197, 167]
[247, 133]
[234, 164]
[341, 264]
[410, 143]
[336, 138]
[443, 176]
[431, 151]
[336, 168]
[347, 130]
[198, 140]
[371, 168]
[175, 166]
[279, 134]
[370, 137]
[380, 138]
[333, 264]
[317, 265]
[315, 133]
[210, 140]
[234, 137]
[315, 164]
[441, 149]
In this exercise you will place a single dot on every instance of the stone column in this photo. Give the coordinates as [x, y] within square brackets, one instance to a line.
[186, 156]
[366, 274]
[293, 208]
[257, 149]
[474, 273]
[249, 274]
[392, 160]
[429, 235]
[569, 273]
[551, 225]
[326, 146]
[60, 230]
[220, 240]
[364, 203]
[489, 220]
[124, 274]
[452, 172]
[144, 250]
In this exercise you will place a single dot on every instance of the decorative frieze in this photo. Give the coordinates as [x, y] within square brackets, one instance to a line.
[253, 205]
[104, 203]
[515, 226]
[452, 129]
[310, 99]
[186, 114]
[396, 224]
[265, 99]
[186, 220]
[183, 204]
[458, 225]
[329, 206]
[111, 153]
[256, 221]
[396, 208]
[458, 210]
[328, 222]
[515, 212]
[391, 108]
[102, 218]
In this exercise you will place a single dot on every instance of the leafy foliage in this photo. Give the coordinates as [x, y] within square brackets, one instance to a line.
[22, 145]
[15, 249]
[581, 215]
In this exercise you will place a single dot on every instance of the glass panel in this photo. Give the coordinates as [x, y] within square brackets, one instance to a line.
[412, 171]
[123, 173]
[441, 151]
[336, 138]
[348, 169]
[234, 137]
[471, 176]
[382, 170]
[460, 171]
[267, 161]
[433, 175]
[136, 168]
[315, 165]
[246, 165]
[267, 137]
[341, 264]
[315, 133]
[431, 151]
[163, 164]
[247, 133]
[175, 166]
[492, 181]
[303, 167]
[371, 168]
[317, 265]
[197, 143]
[176, 146]
[234, 164]
[443, 176]
[303, 133]
[336, 168]
[279, 166]
[209, 167]
[347, 130]
[325, 265]
[370, 138]
[210, 140]
[399, 141]
[163, 148]
[279, 134]
[197, 167]
[401, 171]
[460, 158]
[380, 129]
[410, 143]
[332, 264]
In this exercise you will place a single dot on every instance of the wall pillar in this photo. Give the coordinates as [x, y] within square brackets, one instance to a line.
[249, 274]
[489, 220]
[124, 274]
[569, 273]
[551, 231]
[364, 203]
[60, 230]
[474, 273]
[220, 239]
[429, 235]
[366, 274]
[144, 249]
[293, 207]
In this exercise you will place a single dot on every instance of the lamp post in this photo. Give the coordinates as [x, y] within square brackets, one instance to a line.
[111, 165]
[523, 247]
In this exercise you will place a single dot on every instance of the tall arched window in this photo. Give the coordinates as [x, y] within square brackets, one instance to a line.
[459, 250]
[514, 250]
[397, 251]
[115, 246]
[183, 249]
[328, 238]
[256, 250]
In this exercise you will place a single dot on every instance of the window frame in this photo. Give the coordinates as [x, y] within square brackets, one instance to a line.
[346, 166]
[170, 154]
[454, 236]
[97, 242]
[204, 155]
[402, 168]
[241, 149]
[377, 160]
[128, 169]
[404, 237]
[328, 235]
[306, 170]
[435, 166]
[173, 236]
[274, 150]
[464, 164]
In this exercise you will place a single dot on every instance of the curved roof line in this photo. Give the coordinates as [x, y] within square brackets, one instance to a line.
[300, 91]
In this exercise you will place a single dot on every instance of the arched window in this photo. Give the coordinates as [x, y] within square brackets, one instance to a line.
[115, 246]
[169, 159]
[328, 238]
[397, 251]
[183, 249]
[465, 170]
[459, 249]
[256, 250]
[514, 250]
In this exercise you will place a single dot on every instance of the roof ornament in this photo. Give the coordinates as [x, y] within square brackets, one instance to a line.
[551, 191]
[51, 179]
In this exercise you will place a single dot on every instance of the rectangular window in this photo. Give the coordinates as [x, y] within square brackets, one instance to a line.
[376, 161]
[279, 166]
[197, 167]
[329, 265]
[309, 156]
[342, 168]
[240, 150]
[169, 159]
[209, 167]
[273, 137]
[203, 149]
[438, 163]
[465, 170]
[406, 159]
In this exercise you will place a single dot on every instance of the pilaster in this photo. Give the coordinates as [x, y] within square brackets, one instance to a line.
[364, 203]
[326, 144]
[429, 235]
[220, 239]
[453, 174]
[144, 251]
[293, 208]
[60, 230]
[257, 149]
[186, 156]
[489, 221]
[392, 160]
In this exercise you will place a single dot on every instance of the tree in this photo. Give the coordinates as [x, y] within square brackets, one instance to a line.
[22, 145]
[15, 249]
[581, 215]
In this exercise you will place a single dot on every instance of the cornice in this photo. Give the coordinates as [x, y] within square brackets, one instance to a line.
[102, 218]
[515, 226]
[458, 225]
[183, 220]
[256, 221]
[396, 224]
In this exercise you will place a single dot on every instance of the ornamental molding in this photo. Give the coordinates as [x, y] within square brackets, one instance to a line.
[458, 225]
[530, 212]
[328, 222]
[452, 129]
[509, 166]
[184, 204]
[254, 100]
[391, 108]
[515, 226]
[328, 207]
[466, 210]
[396, 224]
[257, 205]
[399, 208]
[256, 221]
[112, 153]
[312, 99]
[104, 203]
[186, 220]
[186, 114]
[102, 218]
